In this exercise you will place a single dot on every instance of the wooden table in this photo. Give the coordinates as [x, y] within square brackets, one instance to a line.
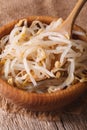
[20, 122]
[12, 118]
[72, 118]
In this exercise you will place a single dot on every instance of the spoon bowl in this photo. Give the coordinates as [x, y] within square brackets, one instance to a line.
[37, 101]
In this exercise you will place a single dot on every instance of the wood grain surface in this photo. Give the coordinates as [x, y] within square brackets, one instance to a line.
[74, 116]
[10, 121]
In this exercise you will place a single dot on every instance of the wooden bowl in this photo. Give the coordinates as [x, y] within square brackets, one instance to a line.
[34, 101]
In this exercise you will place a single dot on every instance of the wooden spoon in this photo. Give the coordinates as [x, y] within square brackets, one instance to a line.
[66, 27]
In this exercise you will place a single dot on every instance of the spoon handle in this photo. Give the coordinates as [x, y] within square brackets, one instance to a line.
[67, 25]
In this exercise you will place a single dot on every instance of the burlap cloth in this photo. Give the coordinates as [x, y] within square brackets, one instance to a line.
[14, 9]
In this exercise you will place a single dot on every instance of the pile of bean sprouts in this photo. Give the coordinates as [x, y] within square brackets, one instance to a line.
[36, 52]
